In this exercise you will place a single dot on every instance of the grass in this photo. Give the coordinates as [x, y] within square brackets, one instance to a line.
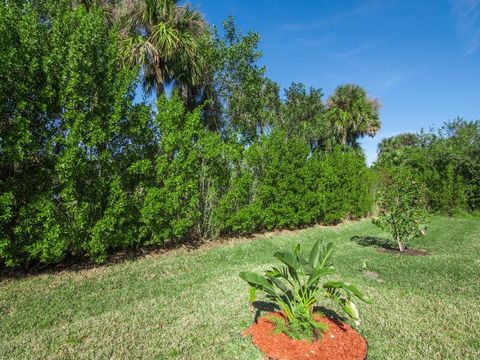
[192, 304]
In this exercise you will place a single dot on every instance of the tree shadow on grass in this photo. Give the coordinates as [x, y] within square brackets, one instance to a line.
[374, 241]
[386, 246]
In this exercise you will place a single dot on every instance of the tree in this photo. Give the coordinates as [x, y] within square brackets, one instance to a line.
[64, 102]
[401, 203]
[302, 114]
[165, 40]
[352, 114]
[242, 101]
[397, 142]
[445, 160]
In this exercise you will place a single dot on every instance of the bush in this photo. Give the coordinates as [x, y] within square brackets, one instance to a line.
[344, 185]
[59, 177]
[401, 204]
[446, 161]
[280, 184]
[296, 287]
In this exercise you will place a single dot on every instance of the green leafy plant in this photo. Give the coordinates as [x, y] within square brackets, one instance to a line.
[296, 287]
[401, 206]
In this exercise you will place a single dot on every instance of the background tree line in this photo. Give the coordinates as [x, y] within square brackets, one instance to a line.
[446, 161]
[86, 168]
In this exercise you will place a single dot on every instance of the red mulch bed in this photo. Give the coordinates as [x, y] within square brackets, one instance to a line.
[340, 341]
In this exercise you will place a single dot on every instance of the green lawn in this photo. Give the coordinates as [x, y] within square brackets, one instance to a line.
[193, 305]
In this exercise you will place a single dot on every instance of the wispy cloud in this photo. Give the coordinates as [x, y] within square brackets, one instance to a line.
[314, 42]
[392, 77]
[364, 9]
[391, 80]
[359, 48]
[467, 19]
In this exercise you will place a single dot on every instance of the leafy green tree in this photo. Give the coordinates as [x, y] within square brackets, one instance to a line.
[446, 191]
[170, 206]
[302, 115]
[59, 142]
[343, 185]
[401, 205]
[398, 142]
[242, 101]
[190, 175]
[352, 114]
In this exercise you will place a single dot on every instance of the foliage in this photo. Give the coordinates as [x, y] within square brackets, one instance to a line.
[447, 161]
[241, 100]
[343, 185]
[165, 40]
[401, 204]
[62, 118]
[189, 176]
[298, 330]
[87, 168]
[296, 287]
[278, 183]
[302, 115]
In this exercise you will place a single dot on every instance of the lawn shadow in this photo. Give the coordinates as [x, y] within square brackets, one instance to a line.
[329, 313]
[74, 264]
[263, 306]
[386, 246]
[374, 241]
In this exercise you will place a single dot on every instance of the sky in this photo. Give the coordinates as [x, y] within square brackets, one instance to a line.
[421, 59]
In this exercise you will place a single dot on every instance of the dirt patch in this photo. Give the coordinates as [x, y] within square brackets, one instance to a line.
[371, 274]
[411, 252]
[340, 341]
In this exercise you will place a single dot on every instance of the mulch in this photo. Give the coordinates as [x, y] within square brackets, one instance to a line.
[340, 342]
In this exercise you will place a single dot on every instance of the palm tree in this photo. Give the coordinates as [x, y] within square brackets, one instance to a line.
[352, 114]
[165, 39]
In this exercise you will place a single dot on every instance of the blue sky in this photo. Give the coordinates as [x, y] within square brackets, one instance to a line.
[421, 59]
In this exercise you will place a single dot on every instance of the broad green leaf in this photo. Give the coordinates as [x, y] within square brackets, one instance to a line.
[287, 258]
[258, 281]
[326, 253]
[297, 249]
[314, 257]
[253, 294]
[351, 309]
[317, 273]
[307, 268]
[349, 289]
[278, 283]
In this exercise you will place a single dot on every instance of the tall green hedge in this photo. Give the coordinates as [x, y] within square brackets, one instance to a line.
[86, 170]
[280, 184]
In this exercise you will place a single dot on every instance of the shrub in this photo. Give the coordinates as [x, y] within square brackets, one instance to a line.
[343, 185]
[297, 286]
[447, 161]
[86, 169]
[446, 190]
[401, 204]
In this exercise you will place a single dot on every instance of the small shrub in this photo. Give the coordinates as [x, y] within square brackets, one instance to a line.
[296, 287]
[401, 206]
